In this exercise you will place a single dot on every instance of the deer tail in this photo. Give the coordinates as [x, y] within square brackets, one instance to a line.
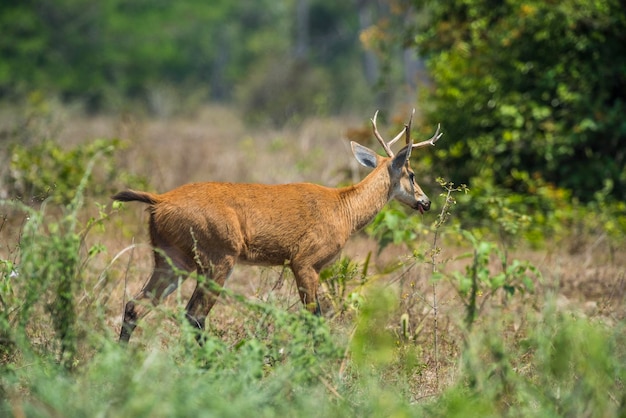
[132, 195]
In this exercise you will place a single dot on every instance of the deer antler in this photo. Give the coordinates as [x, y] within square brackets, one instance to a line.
[407, 130]
[407, 135]
[432, 140]
[386, 145]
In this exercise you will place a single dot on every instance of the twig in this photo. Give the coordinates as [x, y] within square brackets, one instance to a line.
[344, 362]
[433, 258]
[330, 388]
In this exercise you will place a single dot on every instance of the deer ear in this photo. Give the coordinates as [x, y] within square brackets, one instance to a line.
[364, 155]
[400, 160]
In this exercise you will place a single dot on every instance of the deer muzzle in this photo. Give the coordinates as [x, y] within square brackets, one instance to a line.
[423, 206]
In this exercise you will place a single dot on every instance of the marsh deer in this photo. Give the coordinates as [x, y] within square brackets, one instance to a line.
[208, 227]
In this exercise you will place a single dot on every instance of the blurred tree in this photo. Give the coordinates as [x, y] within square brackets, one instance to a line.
[107, 52]
[23, 38]
[88, 50]
[528, 91]
[319, 72]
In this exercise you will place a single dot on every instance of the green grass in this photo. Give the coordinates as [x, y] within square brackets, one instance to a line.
[441, 321]
[563, 366]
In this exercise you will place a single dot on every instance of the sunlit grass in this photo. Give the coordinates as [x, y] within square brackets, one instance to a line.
[557, 350]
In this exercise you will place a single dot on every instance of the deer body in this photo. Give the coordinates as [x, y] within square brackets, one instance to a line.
[208, 227]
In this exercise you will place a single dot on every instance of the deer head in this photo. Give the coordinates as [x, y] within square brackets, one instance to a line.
[403, 186]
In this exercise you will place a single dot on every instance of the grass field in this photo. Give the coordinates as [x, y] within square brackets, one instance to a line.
[419, 328]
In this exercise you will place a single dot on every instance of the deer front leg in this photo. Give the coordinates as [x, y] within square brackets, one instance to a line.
[307, 280]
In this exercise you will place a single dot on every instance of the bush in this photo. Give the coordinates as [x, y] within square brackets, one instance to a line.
[45, 170]
[527, 91]
[40, 168]
[562, 366]
[48, 270]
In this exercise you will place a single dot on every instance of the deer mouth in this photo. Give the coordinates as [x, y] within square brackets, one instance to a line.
[423, 207]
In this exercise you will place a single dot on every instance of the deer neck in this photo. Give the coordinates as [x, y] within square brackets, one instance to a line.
[364, 200]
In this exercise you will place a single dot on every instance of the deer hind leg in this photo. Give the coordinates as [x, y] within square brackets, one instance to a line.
[162, 282]
[307, 280]
[213, 276]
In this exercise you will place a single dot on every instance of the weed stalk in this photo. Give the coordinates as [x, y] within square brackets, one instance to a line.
[443, 216]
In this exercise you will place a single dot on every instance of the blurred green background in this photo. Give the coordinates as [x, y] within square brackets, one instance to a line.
[531, 93]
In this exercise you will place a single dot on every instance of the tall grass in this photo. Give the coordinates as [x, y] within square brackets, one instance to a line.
[46, 278]
[501, 352]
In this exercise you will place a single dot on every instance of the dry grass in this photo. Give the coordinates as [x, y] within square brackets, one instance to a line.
[216, 146]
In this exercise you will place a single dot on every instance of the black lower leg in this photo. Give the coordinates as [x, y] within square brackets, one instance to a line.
[130, 322]
[199, 324]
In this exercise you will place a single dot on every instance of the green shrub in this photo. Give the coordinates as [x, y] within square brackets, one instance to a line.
[480, 281]
[38, 167]
[563, 366]
[45, 170]
[527, 90]
[542, 216]
[395, 225]
[344, 280]
[44, 280]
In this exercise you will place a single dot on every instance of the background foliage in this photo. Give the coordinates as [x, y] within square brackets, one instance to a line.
[532, 92]
[110, 52]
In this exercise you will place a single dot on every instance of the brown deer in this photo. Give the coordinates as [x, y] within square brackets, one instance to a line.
[208, 227]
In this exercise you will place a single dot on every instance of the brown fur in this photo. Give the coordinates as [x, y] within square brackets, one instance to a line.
[208, 227]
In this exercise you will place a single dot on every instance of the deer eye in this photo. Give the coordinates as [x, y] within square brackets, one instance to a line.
[412, 177]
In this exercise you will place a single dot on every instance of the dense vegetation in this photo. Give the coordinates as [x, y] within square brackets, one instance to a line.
[507, 299]
[533, 92]
[458, 322]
